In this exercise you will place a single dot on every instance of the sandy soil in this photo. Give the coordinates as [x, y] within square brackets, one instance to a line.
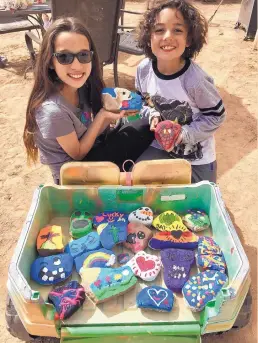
[233, 64]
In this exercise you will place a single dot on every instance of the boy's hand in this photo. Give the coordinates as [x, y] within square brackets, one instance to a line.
[154, 123]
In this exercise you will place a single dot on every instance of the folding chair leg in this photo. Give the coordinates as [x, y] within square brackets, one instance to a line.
[115, 72]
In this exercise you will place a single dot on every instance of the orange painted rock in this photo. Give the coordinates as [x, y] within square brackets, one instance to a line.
[50, 241]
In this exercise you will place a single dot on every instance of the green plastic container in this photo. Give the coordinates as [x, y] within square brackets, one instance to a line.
[119, 319]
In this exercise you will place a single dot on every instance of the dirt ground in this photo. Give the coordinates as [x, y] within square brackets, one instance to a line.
[233, 64]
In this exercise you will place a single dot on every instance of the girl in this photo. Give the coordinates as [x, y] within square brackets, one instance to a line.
[171, 34]
[64, 117]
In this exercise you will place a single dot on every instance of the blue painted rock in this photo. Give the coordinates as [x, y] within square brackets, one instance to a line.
[211, 262]
[112, 233]
[101, 258]
[180, 238]
[202, 288]
[67, 299]
[155, 298]
[145, 266]
[143, 215]
[50, 240]
[118, 99]
[109, 217]
[87, 243]
[196, 220]
[123, 258]
[177, 266]
[138, 236]
[166, 221]
[80, 224]
[51, 270]
[102, 284]
[207, 246]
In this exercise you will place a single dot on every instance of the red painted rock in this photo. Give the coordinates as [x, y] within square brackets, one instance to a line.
[145, 266]
[166, 133]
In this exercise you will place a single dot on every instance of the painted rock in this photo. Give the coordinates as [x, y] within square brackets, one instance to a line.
[50, 240]
[138, 236]
[207, 246]
[202, 288]
[51, 270]
[145, 266]
[112, 234]
[166, 221]
[67, 299]
[102, 284]
[196, 220]
[142, 215]
[123, 258]
[101, 258]
[109, 217]
[177, 265]
[166, 133]
[180, 238]
[118, 99]
[211, 262]
[80, 224]
[155, 298]
[87, 243]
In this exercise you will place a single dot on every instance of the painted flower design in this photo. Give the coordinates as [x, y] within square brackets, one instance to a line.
[98, 284]
[118, 277]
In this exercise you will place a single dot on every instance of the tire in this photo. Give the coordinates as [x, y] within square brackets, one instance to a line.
[244, 315]
[16, 329]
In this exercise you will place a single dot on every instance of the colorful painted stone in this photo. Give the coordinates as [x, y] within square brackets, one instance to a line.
[51, 270]
[145, 266]
[196, 220]
[102, 284]
[109, 217]
[211, 262]
[177, 266]
[166, 133]
[80, 224]
[50, 240]
[180, 238]
[81, 245]
[67, 299]
[101, 258]
[202, 288]
[112, 234]
[118, 99]
[142, 215]
[207, 246]
[155, 298]
[123, 258]
[166, 221]
[138, 236]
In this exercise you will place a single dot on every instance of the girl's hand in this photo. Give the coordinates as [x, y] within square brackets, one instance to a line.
[110, 117]
[154, 123]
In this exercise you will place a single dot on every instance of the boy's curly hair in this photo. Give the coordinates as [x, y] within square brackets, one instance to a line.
[195, 21]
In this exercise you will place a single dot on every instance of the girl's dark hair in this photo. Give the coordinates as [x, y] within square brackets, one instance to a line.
[46, 81]
[196, 24]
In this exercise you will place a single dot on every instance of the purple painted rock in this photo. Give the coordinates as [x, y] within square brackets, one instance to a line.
[123, 258]
[177, 265]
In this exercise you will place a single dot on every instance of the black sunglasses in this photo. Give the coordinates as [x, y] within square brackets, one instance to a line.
[84, 56]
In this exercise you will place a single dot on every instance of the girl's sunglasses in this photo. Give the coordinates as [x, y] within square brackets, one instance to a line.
[84, 56]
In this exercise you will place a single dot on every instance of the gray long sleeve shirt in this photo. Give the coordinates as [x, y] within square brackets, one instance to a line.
[190, 89]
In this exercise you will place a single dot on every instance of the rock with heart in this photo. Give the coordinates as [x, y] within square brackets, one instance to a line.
[101, 258]
[145, 266]
[167, 133]
[138, 236]
[202, 288]
[80, 224]
[167, 221]
[155, 298]
[112, 233]
[177, 266]
[102, 284]
[87, 243]
[67, 299]
[51, 270]
[50, 240]
[180, 237]
[109, 217]
[143, 215]
[196, 220]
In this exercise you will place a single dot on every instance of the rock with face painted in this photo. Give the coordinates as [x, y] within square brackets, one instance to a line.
[51, 270]
[142, 215]
[138, 236]
[80, 224]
